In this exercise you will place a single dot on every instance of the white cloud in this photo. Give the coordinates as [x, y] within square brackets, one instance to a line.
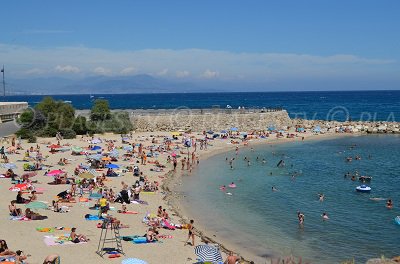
[35, 71]
[128, 71]
[66, 69]
[249, 66]
[182, 74]
[101, 71]
[208, 74]
[163, 72]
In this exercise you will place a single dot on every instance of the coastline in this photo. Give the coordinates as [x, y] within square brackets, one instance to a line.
[180, 208]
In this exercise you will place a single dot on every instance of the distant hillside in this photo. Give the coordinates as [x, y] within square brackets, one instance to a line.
[102, 85]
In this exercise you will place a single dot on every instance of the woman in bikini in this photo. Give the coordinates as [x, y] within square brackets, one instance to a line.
[190, 234]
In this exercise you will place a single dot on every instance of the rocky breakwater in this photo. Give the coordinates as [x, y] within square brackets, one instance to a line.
[211, 119]
[349, 126]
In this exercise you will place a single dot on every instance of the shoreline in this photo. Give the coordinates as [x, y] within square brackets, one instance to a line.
[172, 196]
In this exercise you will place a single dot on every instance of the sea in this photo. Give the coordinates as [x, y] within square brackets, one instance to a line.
[327, 105]
[264, 222]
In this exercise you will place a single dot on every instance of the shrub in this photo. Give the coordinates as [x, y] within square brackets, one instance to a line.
[68, 133]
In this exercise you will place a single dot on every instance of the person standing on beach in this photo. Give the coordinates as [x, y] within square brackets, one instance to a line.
[175, 163]
[190, 234]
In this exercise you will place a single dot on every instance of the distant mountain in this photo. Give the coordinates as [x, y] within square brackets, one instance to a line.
[101, 84]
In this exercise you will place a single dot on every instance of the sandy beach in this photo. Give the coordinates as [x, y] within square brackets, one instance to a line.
[22, 235]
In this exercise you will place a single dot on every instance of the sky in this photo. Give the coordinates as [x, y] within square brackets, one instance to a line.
[261, 41]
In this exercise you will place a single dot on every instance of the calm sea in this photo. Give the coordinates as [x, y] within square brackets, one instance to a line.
[356, 105]
[257, 219]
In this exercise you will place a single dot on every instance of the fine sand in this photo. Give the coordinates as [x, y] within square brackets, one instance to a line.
[22, 235]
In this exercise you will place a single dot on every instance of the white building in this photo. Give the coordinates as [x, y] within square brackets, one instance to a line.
[11, 110]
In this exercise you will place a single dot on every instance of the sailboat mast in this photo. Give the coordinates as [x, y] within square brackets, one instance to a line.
[4, 82]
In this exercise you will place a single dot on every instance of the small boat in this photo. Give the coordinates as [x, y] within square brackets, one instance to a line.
[363, 188]
[397, 219]
[365, 178]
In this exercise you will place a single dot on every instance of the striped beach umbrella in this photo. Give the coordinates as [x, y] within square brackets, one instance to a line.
[133, 261]
[208, 253]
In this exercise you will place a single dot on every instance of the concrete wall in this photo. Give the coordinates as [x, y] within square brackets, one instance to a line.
[218, 121]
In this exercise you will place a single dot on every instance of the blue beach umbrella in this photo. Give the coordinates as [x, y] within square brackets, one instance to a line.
[133, 261]
[210, 132]
[271, 128]
[224, 131]
[112, 166]
[128, 148]
[114, 153]
[95, 156]
[96, 148]
[234, 129]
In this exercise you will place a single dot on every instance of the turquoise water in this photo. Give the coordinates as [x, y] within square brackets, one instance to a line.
[257, 219]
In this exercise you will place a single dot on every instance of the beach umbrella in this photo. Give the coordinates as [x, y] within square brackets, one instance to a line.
[95, 156]
[36, 205]
[112, 166]
[54, 146]
[234, 129]
[106, 158]
[11, 166]
[95, 141]
[176, 133]
[76, 149]
[20, 187]
[208, 253]
[271, 128]
[96, 148]
[224, 131]
[54, 172]
[95, 195]
[86, 175]
[128, 148]
[133, 261]
[210, 132]
[114, 153]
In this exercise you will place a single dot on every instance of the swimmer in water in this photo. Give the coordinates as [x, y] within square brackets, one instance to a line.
[274, 189]
[389, 204]
[321, 197]
[264, 161]
[300, 216]
[325, 216]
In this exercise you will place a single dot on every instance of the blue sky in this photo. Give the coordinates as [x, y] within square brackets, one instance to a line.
[249, 41]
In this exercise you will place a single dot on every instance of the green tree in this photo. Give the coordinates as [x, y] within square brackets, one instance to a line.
[100, 110]
[80, 126]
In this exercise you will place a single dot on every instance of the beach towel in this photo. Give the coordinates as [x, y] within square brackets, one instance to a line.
[141, 240]
[20, 218]
[62, 240]
[129, 212]
[167, 225]
[90, 217]
[52, 229]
